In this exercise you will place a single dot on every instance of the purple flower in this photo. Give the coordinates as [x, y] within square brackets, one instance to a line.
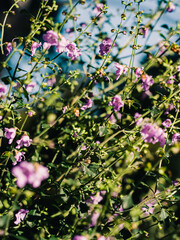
[78, 237]
[138, 73]
[10, 134]
[72, 51]
[9, 47]
[34, 46]
[117, 103]
[3, 89]
[147, 81]
[175, 138]
[97, 10]
[121, 69]
[94, 219]
[51, 81]
[171, 107]
[112, 118]
[144, 31]
[24, 141]
[19, 156]
[51, 37]
[105, 46]
[171, 7]
[149, 209]
[95, 199]
[28, 173]
[139, 121]
[178, 68]
[167, 123]
[20, 216]
[30, 86]
[88, 104]
[171, 80]
[61, 45]
[152, 133]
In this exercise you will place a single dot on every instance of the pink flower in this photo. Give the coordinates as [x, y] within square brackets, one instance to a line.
[152, 133]
[51, 81]
[88, 104]
[167, 123]
[95, 199]
[51, 37]
[9, 47]
[178, 68]
[28, 173]
[144, 31]
[97, 10]
[3, 89]
[117, 103]
[105, 46]
[112, 118]
[175, 138]
[30, 86]
[147, 81]
[121, 69]
[34, 46]
[46, 45]
[138, 73]
[24, 141]
[171, 7]
[19, 156]
[139, 121]
[10, 134]
[61, 45]
[20, 216]
[72, 51]
[78, 237]
[94, 219]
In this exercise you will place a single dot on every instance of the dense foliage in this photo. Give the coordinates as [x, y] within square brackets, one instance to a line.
[90, 135]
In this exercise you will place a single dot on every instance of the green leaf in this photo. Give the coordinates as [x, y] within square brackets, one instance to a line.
[103, 130]
[163, 215]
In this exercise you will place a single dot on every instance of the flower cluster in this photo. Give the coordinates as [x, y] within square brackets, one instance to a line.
[29, 173]
[51, 38]
[117, 103]
[105, 46]
[152, 133]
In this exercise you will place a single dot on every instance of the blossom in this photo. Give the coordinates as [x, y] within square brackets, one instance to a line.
[24, 141]
[152, 133]
[19, 156]
[139, 121]
[61, 45]
[105, 46]
[3, 89]
[72, 51]
[94, 219]
[51, 37]
[30, 86]
[138, 73]
[167, 123]
[171, 7]
[117, 103]
[95, 199]
[78, 237]
[29, 173]
[144, 31]
[178, 68]
[9, 47]
[171, 107]
[149, 209]
[51, 81]
[20, 216]
[10, 134]
[34, 46]
[171, 79]
[147, 81]
[88, 104]
[112, 118]
[121, 69]
[175, 138]
[98, 9]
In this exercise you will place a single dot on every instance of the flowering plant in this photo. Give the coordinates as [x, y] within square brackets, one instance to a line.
[89, 122]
